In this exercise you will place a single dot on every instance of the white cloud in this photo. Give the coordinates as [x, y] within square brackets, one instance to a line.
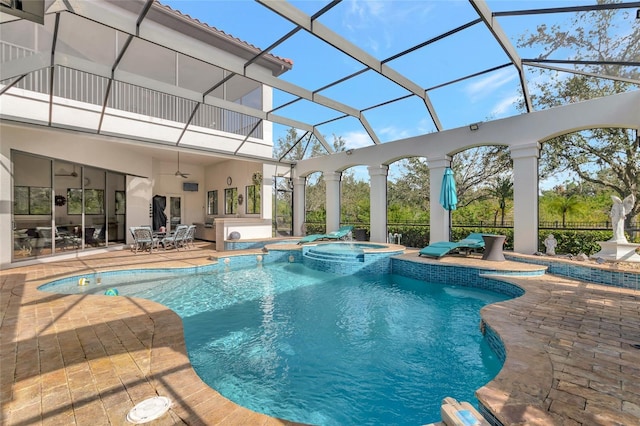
[374, 24]
[484, 87]
[394, 132]
[504, 105]
[357, 139]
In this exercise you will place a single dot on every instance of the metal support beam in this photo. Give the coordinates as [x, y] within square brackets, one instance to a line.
[587, 74]
[325, 34]
[485, 14]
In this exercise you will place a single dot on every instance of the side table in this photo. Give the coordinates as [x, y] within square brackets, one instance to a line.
[493, 247]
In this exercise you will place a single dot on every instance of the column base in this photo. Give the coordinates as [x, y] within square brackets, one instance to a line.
[617, 252]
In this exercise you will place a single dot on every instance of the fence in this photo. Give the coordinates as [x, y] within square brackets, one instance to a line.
[571, 226]
[574, 226]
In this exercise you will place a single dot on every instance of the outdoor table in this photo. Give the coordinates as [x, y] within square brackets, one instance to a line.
[493, 247]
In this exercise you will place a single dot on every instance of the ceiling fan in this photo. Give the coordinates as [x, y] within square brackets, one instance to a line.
[63, 172]
[178, 173]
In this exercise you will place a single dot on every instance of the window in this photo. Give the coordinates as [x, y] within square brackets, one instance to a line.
[231, 201]
[212, 202]
[21, 200]
[253, 199]
[31, 200]
[39, 200]
[74, 201]
[121, 200]
[93, 201]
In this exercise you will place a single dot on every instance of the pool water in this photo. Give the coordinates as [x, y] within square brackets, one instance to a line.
[311, 347]
[345, 247]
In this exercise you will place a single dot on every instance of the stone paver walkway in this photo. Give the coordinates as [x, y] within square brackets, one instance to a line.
[78, 359]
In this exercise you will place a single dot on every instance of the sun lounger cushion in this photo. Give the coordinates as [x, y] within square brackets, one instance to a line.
[438, 249]
[334, 235]
[441, 248]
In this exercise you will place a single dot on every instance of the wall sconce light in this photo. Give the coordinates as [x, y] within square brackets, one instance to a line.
[473, 127]
[349, 151]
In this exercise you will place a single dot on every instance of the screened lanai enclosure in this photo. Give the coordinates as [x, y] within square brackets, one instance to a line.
[113, 91]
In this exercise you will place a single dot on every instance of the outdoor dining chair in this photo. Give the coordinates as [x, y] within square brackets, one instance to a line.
[143, 239]
[190, 236]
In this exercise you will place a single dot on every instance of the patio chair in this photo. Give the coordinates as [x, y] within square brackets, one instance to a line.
[473, 241]
[341, 234]
[44, 238]
[143, 239]
[67, 239]
[190, 236]
[90, 236]
[175, 239]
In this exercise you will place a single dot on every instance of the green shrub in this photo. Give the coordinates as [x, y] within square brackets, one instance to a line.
[314, 228]
[574, 242]
[412, 236]
[569, 241]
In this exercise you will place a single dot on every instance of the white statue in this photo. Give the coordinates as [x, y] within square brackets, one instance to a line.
[551, 243]
[620, 210]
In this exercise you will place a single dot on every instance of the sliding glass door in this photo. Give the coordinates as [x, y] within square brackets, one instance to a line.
[33, 203]
[59, 206]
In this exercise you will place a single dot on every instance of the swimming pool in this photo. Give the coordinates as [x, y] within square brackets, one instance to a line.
[346, 247]
[313, 347]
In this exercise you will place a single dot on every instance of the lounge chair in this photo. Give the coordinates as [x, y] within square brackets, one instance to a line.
[175, 239]
[341, 234]
[438, 249]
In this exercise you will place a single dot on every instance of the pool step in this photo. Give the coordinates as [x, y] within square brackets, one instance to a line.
[335, 257]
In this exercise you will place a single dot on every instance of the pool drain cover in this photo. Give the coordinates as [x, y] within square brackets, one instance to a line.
[149, 409]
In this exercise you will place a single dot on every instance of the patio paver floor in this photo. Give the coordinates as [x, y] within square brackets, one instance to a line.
[78, 359]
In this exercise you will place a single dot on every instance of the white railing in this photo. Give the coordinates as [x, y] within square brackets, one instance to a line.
[84, 87]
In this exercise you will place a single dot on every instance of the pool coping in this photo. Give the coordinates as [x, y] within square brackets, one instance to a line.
[543, 380]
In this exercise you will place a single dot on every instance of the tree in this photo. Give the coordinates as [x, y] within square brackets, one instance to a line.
[293, 148]
[355, 200]
[412, 190]
[502, 190]
[474, 168]
[564, 205]
[609, 158]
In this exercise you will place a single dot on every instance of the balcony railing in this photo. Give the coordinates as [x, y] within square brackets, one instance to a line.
[90, 88]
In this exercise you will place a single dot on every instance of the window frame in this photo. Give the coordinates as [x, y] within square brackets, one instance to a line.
[212, 202]
[254, 199]
[30, 207]
[231, 200]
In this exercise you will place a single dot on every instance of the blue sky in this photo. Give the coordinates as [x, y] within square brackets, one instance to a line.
[383, 29]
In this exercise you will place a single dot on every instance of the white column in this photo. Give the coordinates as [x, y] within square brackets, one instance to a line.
[266, 193]
[378, 202]
[438, 216]
[332, 181]
[6, 225]
[525, 197]
[298, 206]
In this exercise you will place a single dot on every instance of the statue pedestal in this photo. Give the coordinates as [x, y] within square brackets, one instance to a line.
[617, 252]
